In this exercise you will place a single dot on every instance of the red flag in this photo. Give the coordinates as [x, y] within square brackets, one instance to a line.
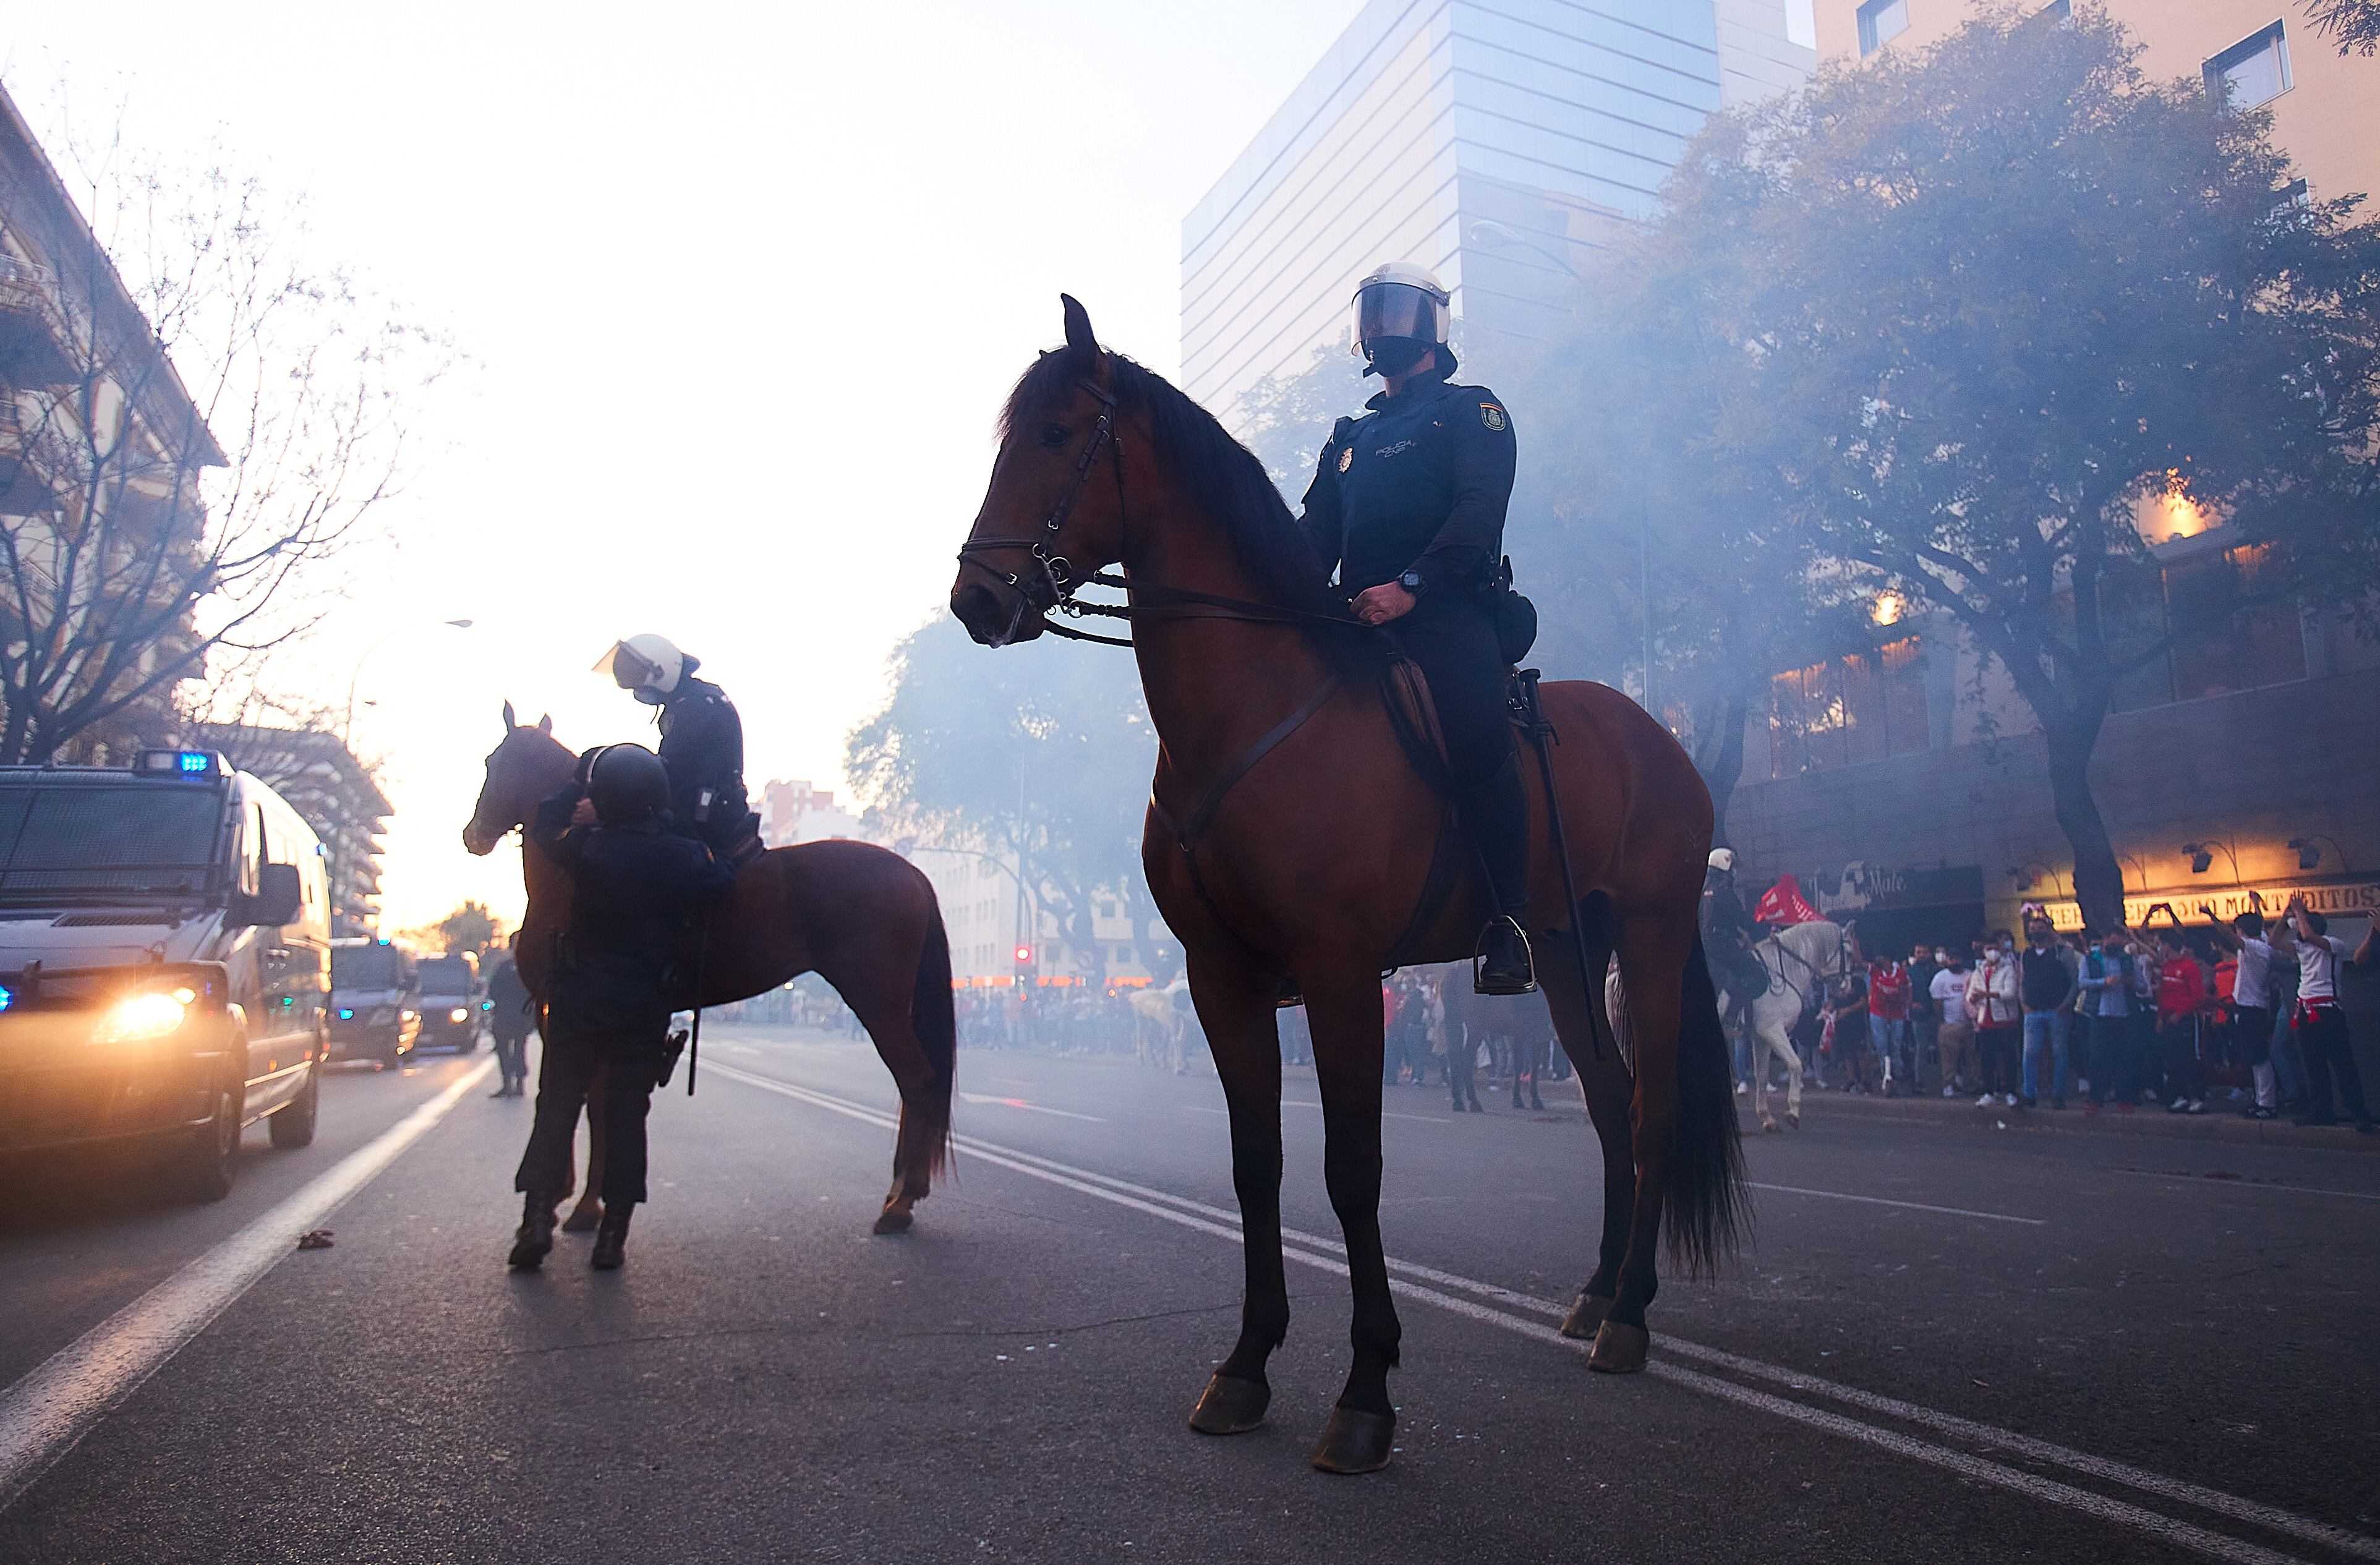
[1784, 904]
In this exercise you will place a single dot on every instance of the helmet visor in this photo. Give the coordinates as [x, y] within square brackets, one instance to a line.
[628, 668]
[1399, 309]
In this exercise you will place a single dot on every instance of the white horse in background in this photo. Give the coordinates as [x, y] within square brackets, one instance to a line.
[1800, 961]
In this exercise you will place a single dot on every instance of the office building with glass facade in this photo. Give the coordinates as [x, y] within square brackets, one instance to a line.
[1495, 144]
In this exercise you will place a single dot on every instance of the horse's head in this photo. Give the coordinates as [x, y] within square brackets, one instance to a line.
[527, 767]
[1053, 513]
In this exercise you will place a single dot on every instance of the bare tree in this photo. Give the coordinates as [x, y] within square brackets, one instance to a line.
[191, 422]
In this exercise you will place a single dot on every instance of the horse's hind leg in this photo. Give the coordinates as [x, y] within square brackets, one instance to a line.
[882, 1000]
[1586, 1036]
[1235, 1003]
[1653, 954]
[1349, 1047]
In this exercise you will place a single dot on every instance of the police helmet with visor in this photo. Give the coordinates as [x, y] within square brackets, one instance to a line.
[648, 667]
[628, 784]
[1401, 313]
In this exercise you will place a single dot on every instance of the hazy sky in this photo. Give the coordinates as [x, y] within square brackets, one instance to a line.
[745, 286]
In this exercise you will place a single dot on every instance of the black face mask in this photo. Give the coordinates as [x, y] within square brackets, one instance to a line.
[1394, 356]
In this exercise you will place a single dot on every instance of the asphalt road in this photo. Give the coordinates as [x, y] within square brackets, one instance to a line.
[1949, 1341]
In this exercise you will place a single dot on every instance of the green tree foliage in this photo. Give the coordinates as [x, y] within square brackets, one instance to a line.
[1986, 298]
[1041, 754]
[1285, 418]
[470, 927]
[2353, 25]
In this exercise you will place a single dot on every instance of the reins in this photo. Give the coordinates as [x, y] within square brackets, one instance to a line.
[1055, 586]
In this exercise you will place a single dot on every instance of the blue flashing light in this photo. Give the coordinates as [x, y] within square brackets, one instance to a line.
[197, 763]
[346, 1014]
[8, 998]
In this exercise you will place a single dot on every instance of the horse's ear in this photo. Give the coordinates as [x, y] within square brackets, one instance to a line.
[511, 722]
[1082, 344]
[545, 724]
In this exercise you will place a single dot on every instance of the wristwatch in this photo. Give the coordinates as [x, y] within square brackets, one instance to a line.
[1411, 582]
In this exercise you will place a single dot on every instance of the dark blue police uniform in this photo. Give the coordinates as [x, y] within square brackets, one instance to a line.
[1415, 491]
[702, 745]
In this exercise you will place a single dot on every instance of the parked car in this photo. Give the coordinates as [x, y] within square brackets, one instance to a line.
[375, 1002]
[452, 1010]
[165, 953]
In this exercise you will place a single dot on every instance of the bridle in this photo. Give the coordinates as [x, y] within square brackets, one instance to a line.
[1819, 974]
[1050, 582]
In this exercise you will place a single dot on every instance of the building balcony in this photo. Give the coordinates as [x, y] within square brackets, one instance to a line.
[33, 328]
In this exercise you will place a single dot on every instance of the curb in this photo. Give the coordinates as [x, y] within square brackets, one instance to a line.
[2222, 1124]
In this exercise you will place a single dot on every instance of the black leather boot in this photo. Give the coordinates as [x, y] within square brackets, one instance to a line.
[1502, 963]
[612, 1239]
[533, 1241]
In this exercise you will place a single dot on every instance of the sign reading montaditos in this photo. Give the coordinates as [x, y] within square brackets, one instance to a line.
[2229, 902]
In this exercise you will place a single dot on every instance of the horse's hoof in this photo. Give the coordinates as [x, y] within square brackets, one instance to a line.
[1231, 1406]
[1771, 1127]
[1618, 1349]
[1354, 1442]
[892, 1220]
[1794, 1119]
[1585, 1315]
[586, 1219]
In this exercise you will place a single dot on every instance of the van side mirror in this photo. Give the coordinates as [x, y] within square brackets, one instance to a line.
[277, 896]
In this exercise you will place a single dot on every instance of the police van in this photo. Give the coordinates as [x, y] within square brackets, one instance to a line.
[165, 959]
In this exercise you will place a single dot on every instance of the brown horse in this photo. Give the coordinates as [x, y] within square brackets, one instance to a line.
[863, 918]
[1306, 854]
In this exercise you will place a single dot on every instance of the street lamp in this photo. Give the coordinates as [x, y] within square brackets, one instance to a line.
[908, 845]
[1497, 236]
[347, 724]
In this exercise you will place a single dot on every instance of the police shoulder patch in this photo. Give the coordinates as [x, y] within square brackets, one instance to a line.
[1346, 458]
[1491, 414]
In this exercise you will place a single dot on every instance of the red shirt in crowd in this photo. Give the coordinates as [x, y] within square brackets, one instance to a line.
[2181, 987]
[1887, 992]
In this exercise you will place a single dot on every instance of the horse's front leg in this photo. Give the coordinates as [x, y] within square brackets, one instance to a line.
[1235, 1004]
[1348, 1047]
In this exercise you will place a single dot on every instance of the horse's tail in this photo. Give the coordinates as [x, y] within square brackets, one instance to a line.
[1707, 1210]
[934, 1015]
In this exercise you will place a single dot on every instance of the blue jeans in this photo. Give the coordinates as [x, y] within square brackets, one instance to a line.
[2045, 1029]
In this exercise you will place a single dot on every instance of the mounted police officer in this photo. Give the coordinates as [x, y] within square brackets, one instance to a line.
[633, 889]
[702, 741]
[1408, 502]
[1729, 933]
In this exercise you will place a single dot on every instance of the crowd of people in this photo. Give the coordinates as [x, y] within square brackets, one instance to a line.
[2175, 1017]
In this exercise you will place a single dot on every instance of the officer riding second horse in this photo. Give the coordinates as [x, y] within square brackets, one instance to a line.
[1408, 503]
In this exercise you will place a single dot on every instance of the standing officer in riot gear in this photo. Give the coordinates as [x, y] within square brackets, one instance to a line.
[702, 740]
[633, 889]
[1408, 502]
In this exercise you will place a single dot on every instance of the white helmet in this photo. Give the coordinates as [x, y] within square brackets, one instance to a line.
[646, 666]
[1723, 860]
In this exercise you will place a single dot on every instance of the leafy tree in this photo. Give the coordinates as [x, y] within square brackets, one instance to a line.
[2353, 25]
[1994, 295]
[1043, 754]
[1285, 418]
[471, 927]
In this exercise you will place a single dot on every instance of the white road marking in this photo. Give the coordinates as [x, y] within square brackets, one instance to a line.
[1035, 1108]
[1912, 1206]
[44, 1414]
[1313, 1250]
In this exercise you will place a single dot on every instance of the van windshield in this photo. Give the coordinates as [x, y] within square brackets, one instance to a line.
[447, 975]
[135, 839]
[364, 967]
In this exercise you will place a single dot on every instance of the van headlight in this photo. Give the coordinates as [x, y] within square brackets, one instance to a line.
[459, 1013]
[137, 1017]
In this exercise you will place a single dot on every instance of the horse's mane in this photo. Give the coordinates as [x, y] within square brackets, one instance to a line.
[1224, 477]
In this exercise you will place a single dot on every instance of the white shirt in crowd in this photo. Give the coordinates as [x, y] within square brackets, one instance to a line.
[2318, 961]
[2253, 985]
[1949, 992]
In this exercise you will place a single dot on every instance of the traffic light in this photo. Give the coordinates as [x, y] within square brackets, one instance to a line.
[1024, 956]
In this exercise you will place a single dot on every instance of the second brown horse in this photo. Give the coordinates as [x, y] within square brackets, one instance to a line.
[863, 918]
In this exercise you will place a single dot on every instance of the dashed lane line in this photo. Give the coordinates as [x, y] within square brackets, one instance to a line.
[1882, 1201]
[1031, 1107]
[42, 1415]
[1409, 1279]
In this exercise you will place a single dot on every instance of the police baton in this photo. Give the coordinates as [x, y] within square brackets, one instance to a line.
[694, 1042]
